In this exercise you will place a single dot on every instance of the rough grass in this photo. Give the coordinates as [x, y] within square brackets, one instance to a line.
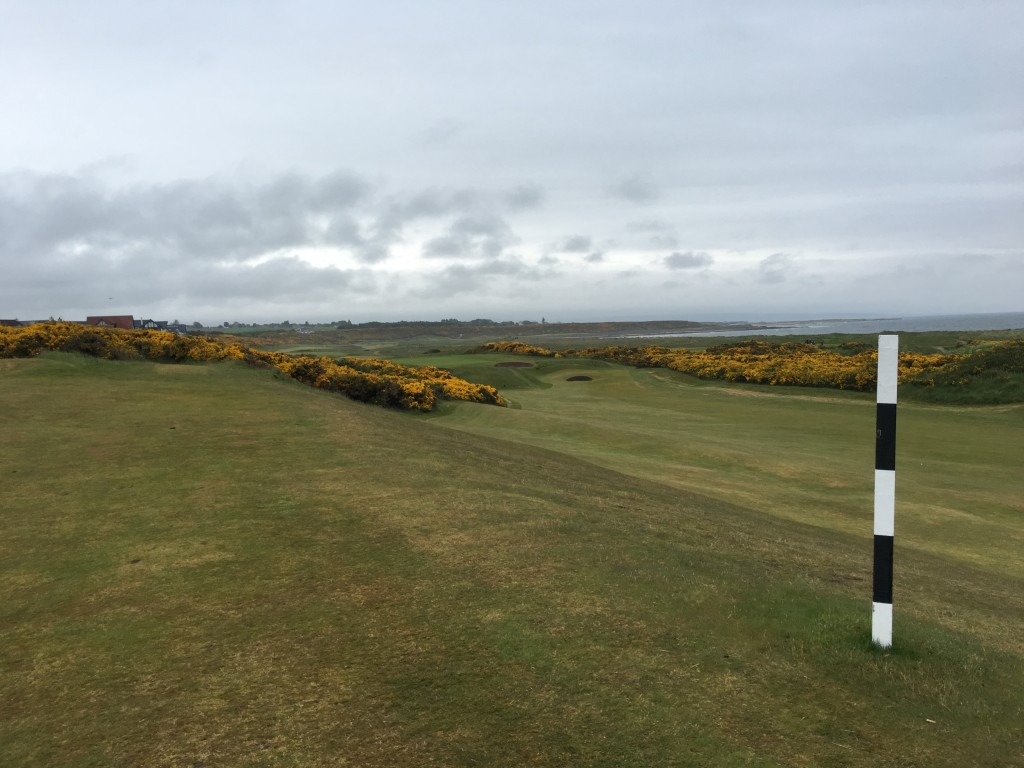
[208, 566]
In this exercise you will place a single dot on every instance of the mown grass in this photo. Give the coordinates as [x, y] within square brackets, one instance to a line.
[204, 565]
[991, 371]
[806, 454]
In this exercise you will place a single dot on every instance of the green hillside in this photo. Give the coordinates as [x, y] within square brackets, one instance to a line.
[208, 565]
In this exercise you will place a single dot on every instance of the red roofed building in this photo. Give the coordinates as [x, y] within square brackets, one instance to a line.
[127, 322]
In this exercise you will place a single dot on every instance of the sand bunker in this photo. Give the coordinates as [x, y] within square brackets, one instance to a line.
[579, 378]
[513, 364]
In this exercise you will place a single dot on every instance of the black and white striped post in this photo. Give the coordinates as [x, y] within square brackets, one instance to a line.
[885, 489]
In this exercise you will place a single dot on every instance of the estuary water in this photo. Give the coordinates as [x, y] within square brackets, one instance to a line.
[982, 322]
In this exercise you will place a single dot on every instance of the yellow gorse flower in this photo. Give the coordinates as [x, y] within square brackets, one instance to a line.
[758, 362]
[376, 381]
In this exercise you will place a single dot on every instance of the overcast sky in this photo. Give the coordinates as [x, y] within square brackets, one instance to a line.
[326, 160]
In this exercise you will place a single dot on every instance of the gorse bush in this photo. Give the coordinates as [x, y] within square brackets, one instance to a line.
[994, 373]
[377, 381]
[374, 381]
[113, 343]
[997, 369]
[518, 348]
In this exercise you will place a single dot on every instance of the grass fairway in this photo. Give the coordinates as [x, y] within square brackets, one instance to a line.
[205, 565]
[799, 453]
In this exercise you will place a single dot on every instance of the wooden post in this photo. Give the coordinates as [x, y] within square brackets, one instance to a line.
[885, 490]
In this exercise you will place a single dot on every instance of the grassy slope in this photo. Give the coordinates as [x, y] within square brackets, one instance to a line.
[205, 565]
[806, 454]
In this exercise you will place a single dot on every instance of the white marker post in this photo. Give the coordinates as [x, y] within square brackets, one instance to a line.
[885, 489]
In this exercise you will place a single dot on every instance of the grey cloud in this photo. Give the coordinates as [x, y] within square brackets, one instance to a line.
[93, 283]
[575, 244]
[688, 260]
[524, 197]
[594, 258]
[444, 245]
[400, 211]
[473, 236]
[660, 234]
[774, 268]
[205, 219]
[281, 279]
[894, 127]
[489, 225]
[338, 190]
[344, 231]
[39, 212]
[636, 189]
[462, 278]
[663, 241]
[433, 202]
[374, 251]
[440, 132]
[650, 225]
[477, 231]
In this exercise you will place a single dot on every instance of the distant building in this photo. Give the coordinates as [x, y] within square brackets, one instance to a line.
[161, 325]
[125, 322]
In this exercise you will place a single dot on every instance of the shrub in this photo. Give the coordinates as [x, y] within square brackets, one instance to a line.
[374, 381]
[997, 368]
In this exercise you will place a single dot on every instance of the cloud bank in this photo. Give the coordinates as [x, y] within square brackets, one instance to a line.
[573, 161]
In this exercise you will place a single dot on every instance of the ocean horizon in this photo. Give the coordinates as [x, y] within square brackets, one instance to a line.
[995, 321]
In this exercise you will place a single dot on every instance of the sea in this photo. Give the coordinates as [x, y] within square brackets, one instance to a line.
[980, 322]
